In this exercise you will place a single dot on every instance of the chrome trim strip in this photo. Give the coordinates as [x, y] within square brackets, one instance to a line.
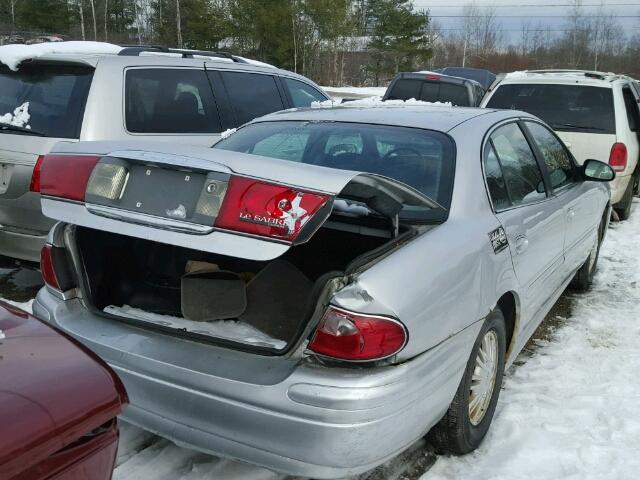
[149, 220]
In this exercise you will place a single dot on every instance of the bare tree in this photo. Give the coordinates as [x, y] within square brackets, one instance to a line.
[81, 10]
[606, 35]
[95, 23]
[178, 24]
[106, 15]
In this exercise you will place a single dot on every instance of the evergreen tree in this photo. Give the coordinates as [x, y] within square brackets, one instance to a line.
[399, 38]
[49, 16]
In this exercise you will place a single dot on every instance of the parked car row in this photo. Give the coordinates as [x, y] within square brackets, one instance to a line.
[314, 282]
[597, 115]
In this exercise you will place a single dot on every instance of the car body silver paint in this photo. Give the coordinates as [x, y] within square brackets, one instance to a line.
[322, 421]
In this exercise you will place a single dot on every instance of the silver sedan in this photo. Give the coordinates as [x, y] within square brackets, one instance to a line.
[323, 287]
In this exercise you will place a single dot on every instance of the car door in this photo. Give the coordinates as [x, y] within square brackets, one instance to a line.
[579, 201]
[533, 220]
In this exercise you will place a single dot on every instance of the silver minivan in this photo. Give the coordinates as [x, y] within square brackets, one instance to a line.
[157, 95]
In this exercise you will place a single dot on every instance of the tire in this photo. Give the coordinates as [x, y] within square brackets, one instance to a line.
[460, 431]
[623, 208]
[584, 277]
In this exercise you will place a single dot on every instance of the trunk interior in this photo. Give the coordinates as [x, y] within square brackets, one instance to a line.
[263, 304]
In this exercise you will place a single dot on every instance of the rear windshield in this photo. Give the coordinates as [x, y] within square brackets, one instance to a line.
[422, 159]
[56, 96]
[430, 91]
[567, 108]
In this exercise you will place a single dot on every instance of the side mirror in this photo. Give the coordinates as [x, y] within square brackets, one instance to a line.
[597, 171]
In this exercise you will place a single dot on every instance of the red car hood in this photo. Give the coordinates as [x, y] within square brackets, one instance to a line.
[52, 391]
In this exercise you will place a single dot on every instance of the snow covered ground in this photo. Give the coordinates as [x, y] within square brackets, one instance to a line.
[568, 409]
[571, 411]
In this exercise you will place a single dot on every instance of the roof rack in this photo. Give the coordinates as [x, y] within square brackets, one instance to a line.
[136, 50]
[586, 73]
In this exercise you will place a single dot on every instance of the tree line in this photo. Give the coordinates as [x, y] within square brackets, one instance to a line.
[318, 38]
[338, 42]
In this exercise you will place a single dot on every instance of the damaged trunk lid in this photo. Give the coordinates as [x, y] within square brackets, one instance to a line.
[216, 201]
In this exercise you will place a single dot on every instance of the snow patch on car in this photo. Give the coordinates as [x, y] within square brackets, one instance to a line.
[19, 118]
[227, 133]
[377, 101]
[225, 329]
[13, 55]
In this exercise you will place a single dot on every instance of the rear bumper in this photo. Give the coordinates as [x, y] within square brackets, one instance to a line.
[314, 421]
[618, 187]
[20, 245]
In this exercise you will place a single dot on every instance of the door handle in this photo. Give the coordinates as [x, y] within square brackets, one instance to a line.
[522, 243]
[570, 214]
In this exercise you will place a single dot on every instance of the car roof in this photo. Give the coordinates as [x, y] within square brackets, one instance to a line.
[579, 77]
[431, 117]
[165, 59]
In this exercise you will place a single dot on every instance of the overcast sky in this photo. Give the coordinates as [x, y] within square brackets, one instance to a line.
[515, 12]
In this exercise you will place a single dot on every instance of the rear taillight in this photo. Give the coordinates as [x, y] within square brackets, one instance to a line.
[34, 186]
[351, 336]
[66, 176]
[618, 157]
[432, 76]
[47, 268]
[265, 209]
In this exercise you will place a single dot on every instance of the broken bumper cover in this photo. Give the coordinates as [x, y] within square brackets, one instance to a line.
[312, 421]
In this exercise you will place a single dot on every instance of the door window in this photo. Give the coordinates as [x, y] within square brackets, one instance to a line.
[251, 95]
[631, 106]
[302, 95]
[554, 154]
[521, 171]
[495, 179]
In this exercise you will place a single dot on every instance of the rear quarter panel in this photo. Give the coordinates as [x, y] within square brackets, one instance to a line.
[449, 278]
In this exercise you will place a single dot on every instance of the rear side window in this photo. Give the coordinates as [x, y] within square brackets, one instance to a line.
[302, 95]
[566, 108]
[631, 107]
[170, 101]
[56, 95]
[251, 95]
[495, 179]
[554, 154]
[430, 91]
[521, 171]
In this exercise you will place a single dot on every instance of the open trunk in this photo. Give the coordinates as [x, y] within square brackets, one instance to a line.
[220, 245]
[210, 296]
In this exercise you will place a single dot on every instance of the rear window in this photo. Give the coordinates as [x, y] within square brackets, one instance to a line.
[566, 108]
[422, 159]
[56, 95]
[170, 101]
[430, 91]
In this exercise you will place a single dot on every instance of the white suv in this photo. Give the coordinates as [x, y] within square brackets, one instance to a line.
[596, 114]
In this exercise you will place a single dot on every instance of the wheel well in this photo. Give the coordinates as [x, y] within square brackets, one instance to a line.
[507, 304]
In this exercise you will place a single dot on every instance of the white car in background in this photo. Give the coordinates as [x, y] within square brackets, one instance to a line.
[596, 114]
